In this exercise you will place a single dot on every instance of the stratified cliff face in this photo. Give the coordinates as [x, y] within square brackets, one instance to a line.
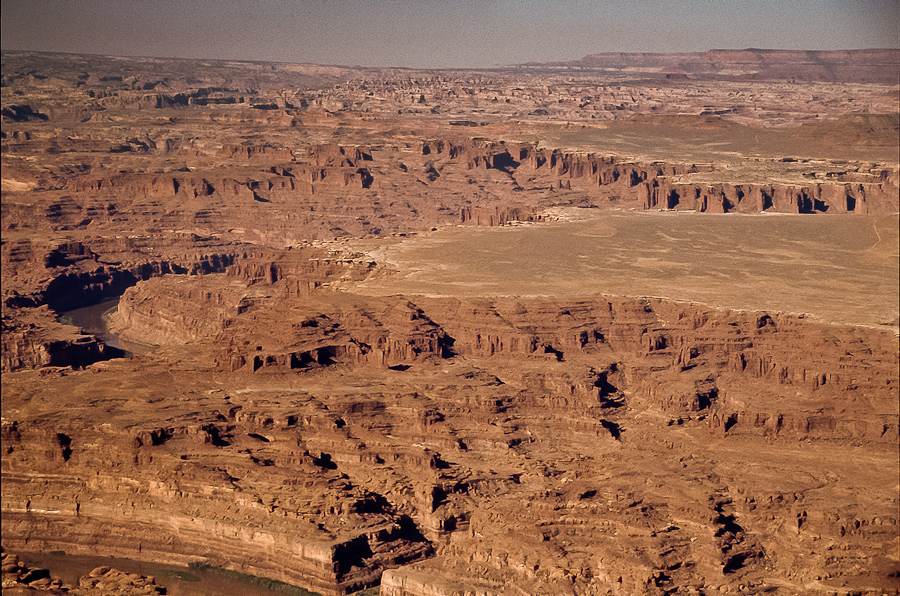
[306, 525]
[299, 417]
[326, 437]
[33, 339]
[253, 328]
[20, 578]
[317, 196]
[56, 277]
[178, 314]
[322, 481]
[257, 325]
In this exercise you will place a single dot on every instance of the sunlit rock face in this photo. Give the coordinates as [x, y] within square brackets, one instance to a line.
[344, 381]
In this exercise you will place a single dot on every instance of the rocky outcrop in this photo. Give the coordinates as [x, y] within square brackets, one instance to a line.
[312, 547]
[333, 155]
[19, 578]
[336, 464]
[379, 333]
[673, 366]
[834, 197]
[336, 191]
[263, 153]
[291, 427]
[658, 185]
[162, 311]
[111, 581]
[70, 275]
[63, 276]
[754, 345]
[33, 339]
[498, 216]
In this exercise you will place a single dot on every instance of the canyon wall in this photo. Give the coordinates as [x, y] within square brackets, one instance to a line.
[293, 421]
[325, 475]
[313, 197]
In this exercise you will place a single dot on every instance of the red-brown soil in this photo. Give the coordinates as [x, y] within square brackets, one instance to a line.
[673, 370]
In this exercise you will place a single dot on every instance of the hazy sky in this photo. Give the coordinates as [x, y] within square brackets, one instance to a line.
[440, 33]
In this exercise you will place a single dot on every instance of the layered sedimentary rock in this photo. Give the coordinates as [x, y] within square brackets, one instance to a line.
[342, 466]
[19, 578]
[317, 540]
[33, 339]
[301, 185]
[442, 452]
[290, 423]
[178, 314]
[56, 277]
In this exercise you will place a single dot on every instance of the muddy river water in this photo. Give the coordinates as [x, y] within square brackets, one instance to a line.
[178, 581]
[93, 320]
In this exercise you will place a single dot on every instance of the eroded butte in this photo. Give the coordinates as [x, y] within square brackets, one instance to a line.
[669, 367]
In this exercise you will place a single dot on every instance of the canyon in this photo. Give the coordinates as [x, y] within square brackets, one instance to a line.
[624, 325]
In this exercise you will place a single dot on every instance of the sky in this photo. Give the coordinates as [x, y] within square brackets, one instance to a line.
[439, 33]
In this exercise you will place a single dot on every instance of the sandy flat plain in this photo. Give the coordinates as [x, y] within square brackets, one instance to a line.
[836, 268]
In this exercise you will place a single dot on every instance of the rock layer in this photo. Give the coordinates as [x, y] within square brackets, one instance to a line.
[330, 474]
[289, 426]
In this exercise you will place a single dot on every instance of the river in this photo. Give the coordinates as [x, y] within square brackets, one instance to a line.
[93, 320]
[178, 581]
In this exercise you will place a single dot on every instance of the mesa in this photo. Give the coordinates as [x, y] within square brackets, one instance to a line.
[621, 325]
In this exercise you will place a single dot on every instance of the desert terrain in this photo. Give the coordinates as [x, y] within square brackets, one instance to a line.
[619, 326]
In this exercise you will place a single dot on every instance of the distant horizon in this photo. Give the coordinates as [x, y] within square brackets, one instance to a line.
[500, 66]
[439, 34]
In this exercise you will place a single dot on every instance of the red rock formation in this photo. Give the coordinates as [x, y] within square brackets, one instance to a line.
[256, 153]
[33, 339]
[19, 578]
[289, 428]
[612, 372]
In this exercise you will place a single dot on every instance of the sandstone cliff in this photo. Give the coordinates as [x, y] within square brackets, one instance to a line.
[290, 426]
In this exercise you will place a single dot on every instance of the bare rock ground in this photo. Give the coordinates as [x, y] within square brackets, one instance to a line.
[334, 396]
